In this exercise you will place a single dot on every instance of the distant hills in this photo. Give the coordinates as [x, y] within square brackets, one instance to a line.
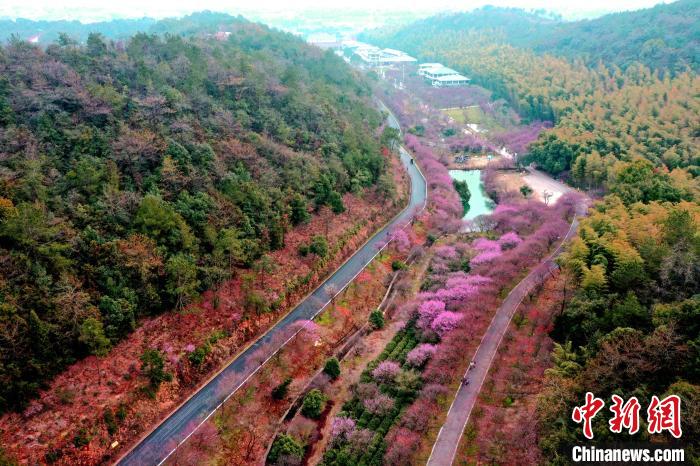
[666, 36]
[304, 23]
[46, 32]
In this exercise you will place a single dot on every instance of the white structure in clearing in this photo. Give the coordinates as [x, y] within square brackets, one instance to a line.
[441, 76]
[374, 56]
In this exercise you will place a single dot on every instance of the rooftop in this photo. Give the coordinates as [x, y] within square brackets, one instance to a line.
[451, 77]
[439, 70]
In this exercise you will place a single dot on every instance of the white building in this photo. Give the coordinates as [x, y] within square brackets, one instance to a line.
[449, 80]
[439, 75]
[374, 56]
[423, 67]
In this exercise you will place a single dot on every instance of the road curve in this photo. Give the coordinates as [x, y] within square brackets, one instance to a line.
[447, 442]
[162, 441]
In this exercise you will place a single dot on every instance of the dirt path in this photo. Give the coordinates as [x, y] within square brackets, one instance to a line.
[540, 182]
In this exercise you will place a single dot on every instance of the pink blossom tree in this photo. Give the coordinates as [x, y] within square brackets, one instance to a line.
[420, 354]
[400, 240]
[380, 404]
[509, 240]
[428, 311]
[341, 428]
[445, 322]
[386, 372]
[402, 443]
[485, 257]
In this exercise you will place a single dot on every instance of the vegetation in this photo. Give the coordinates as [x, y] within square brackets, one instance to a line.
[662, 37]
[135, 175]
[281, 390]
[332, 368]
[383, 392]
[376, 319]
[631, 327]
[285, 448]
[462, 189]
[153, 367]
[314, 403]
[612, 126]
[526, 190]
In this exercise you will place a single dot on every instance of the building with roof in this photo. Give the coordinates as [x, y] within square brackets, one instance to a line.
[450, 80]
[374, 56]
[439, 75]
[426, 66]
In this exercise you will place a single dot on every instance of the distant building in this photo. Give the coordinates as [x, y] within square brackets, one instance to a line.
[324, 41]
[423, 67]
[222, 35]
[450, 80]
[439, 75]
[374, 56]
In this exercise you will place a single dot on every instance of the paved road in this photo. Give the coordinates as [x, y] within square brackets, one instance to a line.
[446, 444]
[157, 446]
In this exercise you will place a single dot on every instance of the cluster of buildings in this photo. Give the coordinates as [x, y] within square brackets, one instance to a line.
[371, 56]
[439, 75]
[374, 56]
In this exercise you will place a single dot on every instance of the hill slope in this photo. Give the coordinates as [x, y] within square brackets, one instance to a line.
[132, 177]
[664, 37]
[613, 127]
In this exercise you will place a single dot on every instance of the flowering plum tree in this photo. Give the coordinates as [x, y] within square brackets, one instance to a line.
[445, 322]
[402, 443]
[342, 428]
[420, 354]
[509, 240]
[484, 244]
[386, 371]
[380, 404]
[400, 240]
[428, 311]
[485, 257]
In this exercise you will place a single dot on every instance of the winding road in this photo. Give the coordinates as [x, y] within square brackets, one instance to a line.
[447, 442]
[163, 440]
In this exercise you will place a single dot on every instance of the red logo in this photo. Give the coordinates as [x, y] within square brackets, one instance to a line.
[625, 415]
[665, 415]
[587, 412]
[662, 415]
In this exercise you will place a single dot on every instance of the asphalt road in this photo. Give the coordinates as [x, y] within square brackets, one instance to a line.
[448, 438]
[161, 442]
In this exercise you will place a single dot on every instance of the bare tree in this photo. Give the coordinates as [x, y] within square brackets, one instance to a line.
[547, 196]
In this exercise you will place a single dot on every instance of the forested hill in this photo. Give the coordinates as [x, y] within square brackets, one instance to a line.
[47, 32]
[635, 131]
[133, 175]
[666, 37]
[630, 326]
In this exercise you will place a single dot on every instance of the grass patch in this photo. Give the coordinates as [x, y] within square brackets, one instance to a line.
[325, 319]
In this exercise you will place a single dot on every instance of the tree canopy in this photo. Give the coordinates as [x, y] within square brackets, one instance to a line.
[135, 174]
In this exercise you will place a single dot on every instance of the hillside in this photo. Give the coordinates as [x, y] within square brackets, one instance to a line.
[134, 176]
[665, 37]
[622, 94]
[605, 118]
[48, 32]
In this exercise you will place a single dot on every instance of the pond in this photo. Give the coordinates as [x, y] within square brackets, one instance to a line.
[479, 202]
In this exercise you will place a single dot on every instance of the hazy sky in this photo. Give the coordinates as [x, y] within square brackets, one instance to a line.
[93, 10]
